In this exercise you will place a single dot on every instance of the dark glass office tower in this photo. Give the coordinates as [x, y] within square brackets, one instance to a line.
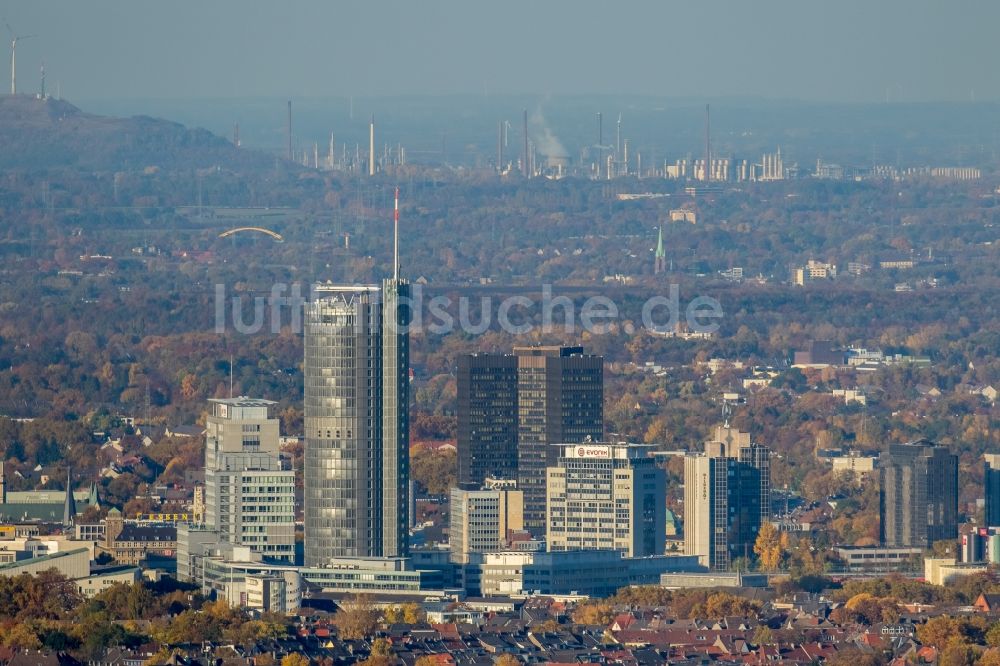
[560, 393]
[487, 418]
[918, 500]
[727, 497]
[513, 411]
[356, 399]
[991, 485]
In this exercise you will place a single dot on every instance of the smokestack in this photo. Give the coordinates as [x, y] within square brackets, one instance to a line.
[524, 165]
[500, 147]
[289, 130]
[332, 145]
[600, 141]
[618, 139]
[371, 147]
[708, 145]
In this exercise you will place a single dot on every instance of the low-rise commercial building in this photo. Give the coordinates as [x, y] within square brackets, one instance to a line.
[101, 578]
[597, 573]
[683, 580]
[878, 559]
[72, 564]
[945, 570]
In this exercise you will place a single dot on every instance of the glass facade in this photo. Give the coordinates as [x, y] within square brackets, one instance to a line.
[356, 423]
[918, 498]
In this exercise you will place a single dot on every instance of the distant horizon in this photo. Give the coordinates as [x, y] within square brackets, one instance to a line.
[685, 101]
[462, 129]
[849, 51]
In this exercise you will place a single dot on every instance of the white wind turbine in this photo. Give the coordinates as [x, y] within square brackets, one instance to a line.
[14, 39]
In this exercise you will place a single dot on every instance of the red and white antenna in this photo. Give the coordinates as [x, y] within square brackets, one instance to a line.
[395, 238]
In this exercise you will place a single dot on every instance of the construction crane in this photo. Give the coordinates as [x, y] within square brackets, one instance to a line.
[14, 39]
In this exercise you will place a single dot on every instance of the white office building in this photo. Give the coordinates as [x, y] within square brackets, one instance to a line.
[249, 497]
[607, 496]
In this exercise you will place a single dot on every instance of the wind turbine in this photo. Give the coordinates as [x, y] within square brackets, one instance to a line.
[14, 39]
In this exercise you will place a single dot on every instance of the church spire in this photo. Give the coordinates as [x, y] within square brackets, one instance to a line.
[660, 258]
[69, 508]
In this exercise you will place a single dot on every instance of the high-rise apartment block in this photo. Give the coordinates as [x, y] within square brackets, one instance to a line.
[606, 496]
[727, 497]
[918, 501]
[356, 479]
[514, 408]
[249, 496]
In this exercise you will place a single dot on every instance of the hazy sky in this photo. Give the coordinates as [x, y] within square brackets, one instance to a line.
[849, 50]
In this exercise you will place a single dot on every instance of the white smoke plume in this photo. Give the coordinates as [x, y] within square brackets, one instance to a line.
[546, 142]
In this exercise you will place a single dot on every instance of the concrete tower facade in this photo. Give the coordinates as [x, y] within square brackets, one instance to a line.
[249, 496]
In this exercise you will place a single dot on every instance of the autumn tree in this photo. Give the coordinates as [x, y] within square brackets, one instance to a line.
[546, 627]
[959, 654]
[993, 636]
[938, 631]
[426, 660]
[592, 613]
[356, 618]
[21, 637]
[769, 546]
[643, 595]
[852, 656]
[763, 635]
[724, 604]
[295, 659]
[381, 647]
[434, 470]
[413, 613]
